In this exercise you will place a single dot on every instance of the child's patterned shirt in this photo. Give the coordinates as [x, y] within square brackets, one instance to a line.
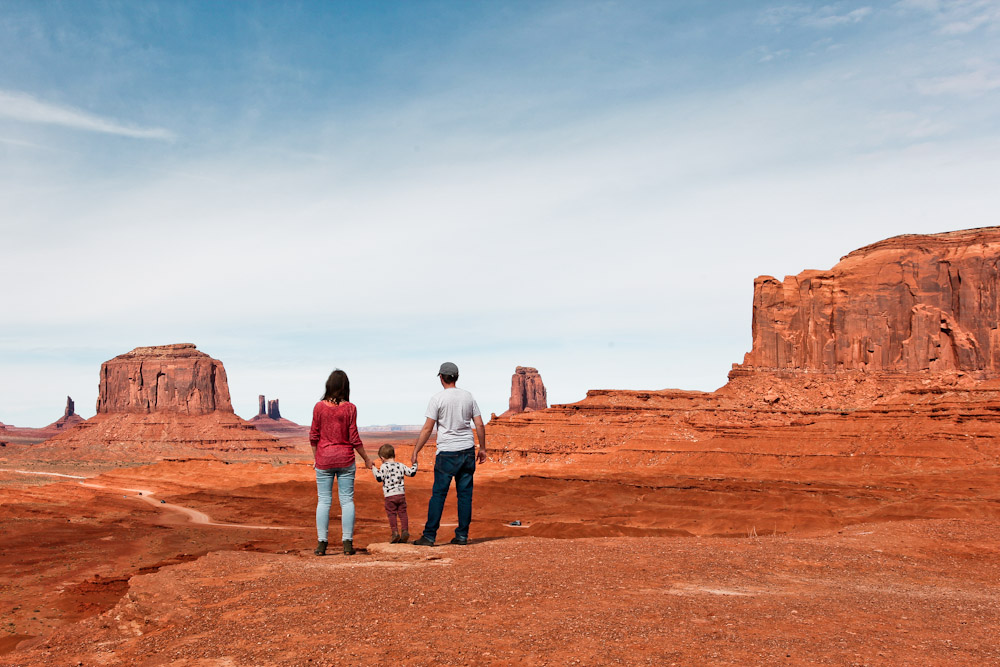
[391, 475]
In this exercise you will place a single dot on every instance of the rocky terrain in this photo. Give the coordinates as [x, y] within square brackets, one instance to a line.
[611, 564]
[846, 372]
[837, 502]
[156, 402]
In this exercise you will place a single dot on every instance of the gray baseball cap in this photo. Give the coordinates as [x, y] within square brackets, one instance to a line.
[448, 368]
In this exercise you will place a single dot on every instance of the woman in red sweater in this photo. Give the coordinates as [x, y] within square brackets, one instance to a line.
[334, 439]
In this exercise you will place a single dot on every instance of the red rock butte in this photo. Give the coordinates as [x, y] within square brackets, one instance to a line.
[164, 378]
[891, 359]
[909, 303]
[161, 401]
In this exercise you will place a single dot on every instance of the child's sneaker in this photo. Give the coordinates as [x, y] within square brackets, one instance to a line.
[395, 539]
[404, 536]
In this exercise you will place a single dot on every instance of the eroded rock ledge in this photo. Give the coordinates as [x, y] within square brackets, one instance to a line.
[891, 359]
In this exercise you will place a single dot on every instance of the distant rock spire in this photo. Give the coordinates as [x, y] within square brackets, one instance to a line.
[69, 418]
[527, 391]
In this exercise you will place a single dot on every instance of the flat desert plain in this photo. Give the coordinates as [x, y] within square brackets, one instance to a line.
[203, 562]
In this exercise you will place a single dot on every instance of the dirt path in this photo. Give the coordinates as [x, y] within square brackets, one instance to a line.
[148, 496]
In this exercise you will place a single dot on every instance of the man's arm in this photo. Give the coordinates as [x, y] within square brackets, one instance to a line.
[481, 434]
[425, 433]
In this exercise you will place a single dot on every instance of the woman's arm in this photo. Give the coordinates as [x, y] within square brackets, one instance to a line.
[314, 428]
[355, 438]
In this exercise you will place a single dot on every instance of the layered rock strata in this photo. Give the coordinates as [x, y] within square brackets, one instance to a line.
[163, 401]
[165, 378]
[888, 360]
[527, 391]
[907, 304]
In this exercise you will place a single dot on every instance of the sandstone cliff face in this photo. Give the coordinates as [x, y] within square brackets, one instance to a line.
[910, 303]
[527, 391]
[164, 378]
[163, 401]
[889, 360]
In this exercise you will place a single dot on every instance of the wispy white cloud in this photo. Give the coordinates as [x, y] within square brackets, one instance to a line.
[922, 5]
[957, 17]
[765, 54]
[973, 22]
[828, 16]
[25, 108]
[19, 143]
[906, 125]
[979, 79]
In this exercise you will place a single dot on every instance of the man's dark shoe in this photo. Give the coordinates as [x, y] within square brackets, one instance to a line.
[423, 542]
[459, 540]
[349, 547]
[320, 549]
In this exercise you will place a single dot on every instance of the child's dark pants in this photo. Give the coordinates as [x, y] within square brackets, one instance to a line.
[395, 506]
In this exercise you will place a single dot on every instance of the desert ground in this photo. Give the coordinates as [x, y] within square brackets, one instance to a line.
[613, 564]
[836, 502]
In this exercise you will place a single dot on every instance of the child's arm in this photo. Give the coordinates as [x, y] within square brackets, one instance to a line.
[375, 471]
[411, 471]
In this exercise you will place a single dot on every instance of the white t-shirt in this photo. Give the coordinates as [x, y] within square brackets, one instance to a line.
[453, 410]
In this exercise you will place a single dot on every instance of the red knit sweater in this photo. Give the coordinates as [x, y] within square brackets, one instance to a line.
[334, 434]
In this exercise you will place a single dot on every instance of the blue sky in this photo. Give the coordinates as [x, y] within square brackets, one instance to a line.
[588, 188]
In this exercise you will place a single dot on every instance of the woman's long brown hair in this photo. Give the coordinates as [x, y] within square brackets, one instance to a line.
[338, 387]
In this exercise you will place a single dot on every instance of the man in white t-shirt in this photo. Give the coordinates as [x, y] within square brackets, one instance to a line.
[454, 411]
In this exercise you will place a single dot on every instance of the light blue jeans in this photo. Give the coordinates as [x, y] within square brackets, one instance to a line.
[324, 492]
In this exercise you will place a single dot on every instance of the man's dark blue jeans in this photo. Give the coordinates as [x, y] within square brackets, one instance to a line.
[461, 466]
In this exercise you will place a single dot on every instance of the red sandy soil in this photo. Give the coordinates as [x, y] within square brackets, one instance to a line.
[16, 435]
[626, 564]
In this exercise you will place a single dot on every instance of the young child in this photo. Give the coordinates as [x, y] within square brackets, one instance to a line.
[390, 473]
